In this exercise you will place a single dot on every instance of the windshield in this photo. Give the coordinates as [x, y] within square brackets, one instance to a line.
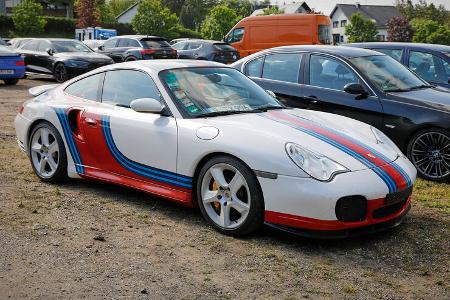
[215, 91]
[70, 46]
[387, 73]
[154, 43]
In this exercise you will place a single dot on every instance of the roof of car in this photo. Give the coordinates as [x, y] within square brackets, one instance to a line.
[434, 47]
[137, 36]
[164, 64]
[338, 50]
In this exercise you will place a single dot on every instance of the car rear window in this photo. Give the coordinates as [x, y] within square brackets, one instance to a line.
[154, 43]
[224, 47]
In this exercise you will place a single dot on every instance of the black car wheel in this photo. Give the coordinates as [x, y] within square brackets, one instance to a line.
[60, 73]
[131, 58]
[429, 151]
[11, 81]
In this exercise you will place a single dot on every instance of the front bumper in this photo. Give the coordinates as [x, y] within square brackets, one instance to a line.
[308, 205]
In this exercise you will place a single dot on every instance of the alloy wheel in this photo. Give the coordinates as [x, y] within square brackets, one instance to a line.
[60, 73]
[225, 196]
[44, 152]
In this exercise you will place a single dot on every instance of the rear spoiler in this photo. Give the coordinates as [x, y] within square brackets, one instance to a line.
[38, 90]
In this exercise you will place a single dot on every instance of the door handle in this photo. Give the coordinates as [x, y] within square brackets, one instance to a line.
[312, 99]
[91, 121]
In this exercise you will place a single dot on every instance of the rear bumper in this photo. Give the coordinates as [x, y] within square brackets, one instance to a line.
[19, 72]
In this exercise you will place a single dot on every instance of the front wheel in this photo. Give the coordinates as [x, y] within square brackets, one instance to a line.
[47, 153]
[60, 73]
[229, 196]
[429, 151]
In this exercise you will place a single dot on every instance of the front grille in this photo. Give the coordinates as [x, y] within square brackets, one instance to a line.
[393, 203]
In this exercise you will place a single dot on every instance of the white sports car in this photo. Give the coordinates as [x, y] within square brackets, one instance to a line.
[203, 134]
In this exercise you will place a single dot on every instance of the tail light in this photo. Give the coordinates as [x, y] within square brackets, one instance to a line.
[20, 63]
[147, 51]
[174, 51]
[21, 109]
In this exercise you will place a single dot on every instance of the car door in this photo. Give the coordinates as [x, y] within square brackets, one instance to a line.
[430, 66]
[183, 50]
[29, 52]
[325, 79]
[124, 143]
[107, 47]
[279, 73]
[117, 53]
[43, 60]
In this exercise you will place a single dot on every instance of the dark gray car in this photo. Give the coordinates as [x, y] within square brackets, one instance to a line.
[207, 50]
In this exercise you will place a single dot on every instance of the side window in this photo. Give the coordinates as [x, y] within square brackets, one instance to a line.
[254, 68]
[179, 45]
[86, 88]
[236, 35]
[428, 66]
[194, 46]
[110, 43]
[330, 73]
[31, 45]
[122, 43]
[133, 43]
[121, 92]
[394, 53]
[283, 67]
[43, 45]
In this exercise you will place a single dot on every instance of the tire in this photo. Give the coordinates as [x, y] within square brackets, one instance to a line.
[131, 58]
[429, 151]
[237, 210]
[49, 160]
[11, 81]
[60, 73]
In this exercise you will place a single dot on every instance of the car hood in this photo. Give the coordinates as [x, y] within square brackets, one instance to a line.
[87, 56]
[342, 139]
[434, 98]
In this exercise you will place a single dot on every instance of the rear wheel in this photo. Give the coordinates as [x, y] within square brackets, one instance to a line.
[11, 81]
[60, 73]
[47, 153]
[229, 196]
[429, 151]
[131, 58]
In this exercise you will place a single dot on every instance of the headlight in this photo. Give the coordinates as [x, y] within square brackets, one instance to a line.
[316, 165]
[383, 139]
[77, 63]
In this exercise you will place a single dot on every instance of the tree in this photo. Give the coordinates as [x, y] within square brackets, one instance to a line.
[399, 30]
[243, 8]
[273, 10]
[428, 31]
[154, 19]
[423, 10]
[116, 7]
[218, 22]
[360, 29]
[194, 12]
[105, 15]
[88, 13]
[27, 18]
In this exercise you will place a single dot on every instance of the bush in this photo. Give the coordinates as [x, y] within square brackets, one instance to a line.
[6, 26]
[428, 31]
[218, 22]
[27, 17]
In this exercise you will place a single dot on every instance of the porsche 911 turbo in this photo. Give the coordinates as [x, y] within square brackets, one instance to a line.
[203, 134]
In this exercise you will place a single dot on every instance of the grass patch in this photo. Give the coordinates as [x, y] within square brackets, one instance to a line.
[433, 194]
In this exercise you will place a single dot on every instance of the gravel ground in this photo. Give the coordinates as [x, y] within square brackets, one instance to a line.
[85, 239]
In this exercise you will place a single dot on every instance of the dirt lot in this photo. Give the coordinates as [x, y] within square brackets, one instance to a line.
[93, 240]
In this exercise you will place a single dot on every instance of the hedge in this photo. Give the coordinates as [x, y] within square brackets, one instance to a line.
[65, 28]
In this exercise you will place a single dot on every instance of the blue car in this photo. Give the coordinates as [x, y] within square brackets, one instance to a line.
[12, 66]
[429, 61]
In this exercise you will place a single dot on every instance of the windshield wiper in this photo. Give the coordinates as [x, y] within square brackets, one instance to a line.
[422, 86]
[265, 108]
[226, 112]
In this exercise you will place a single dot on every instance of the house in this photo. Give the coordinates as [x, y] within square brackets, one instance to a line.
[63, 8]
[378, 13]
[128, 15]
[293, 8]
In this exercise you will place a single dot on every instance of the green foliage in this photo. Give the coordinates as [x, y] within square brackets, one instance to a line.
[218, 22]
[180, 31]
[194, 12]
[88, 13]
[243, 8]
[423, 10]
[360, 29]
[116, 7]
[27, 17]
[153, 19]
[273, 10]
[105, 14]
[428, 31]
[399, 30]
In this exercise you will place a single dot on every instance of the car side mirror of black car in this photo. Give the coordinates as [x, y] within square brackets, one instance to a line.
[147, 105]
[356, 89]
[50, 51]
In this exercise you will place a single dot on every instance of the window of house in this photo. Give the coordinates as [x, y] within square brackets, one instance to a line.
[343, 23]
[335, 24]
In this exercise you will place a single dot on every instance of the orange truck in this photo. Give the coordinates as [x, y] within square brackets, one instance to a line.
[256, 33]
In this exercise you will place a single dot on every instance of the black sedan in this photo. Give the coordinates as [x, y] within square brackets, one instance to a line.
[364, 85]
[431, 62]
[137, 47]
[62, 58]
[207, 50]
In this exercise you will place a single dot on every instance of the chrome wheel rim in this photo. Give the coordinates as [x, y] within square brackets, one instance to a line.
[430, 154]
[44, 152]
[225, 196]
[60, 73]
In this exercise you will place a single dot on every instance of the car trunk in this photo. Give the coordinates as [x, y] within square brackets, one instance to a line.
[225, 53]
[157, 48]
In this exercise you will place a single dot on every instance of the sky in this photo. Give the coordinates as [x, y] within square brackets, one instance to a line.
[326, 6]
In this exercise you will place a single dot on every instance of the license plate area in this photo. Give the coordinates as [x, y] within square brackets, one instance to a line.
[7, 72]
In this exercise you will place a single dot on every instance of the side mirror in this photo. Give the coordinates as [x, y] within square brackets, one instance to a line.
[50, 51]
[101, 48]
[355, 89]
[147, 105]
